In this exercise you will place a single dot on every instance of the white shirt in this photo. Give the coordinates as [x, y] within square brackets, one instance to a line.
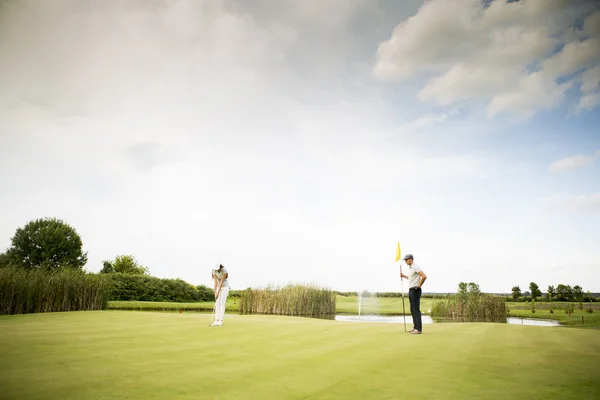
[219, 274]
[413, 275]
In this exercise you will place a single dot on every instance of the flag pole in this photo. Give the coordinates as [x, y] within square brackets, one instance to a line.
[399, 258]
[402, 288]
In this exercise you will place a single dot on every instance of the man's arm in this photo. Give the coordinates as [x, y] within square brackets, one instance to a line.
[423, 277]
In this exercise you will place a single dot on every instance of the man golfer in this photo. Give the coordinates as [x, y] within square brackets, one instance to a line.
[415, 277]
[221, 287]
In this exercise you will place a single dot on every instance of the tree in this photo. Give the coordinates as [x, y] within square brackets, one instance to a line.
[4, 261]
[47, 243]
[516, 293]
[578, 293]
[473, 288]
[462, 289]
[551, 292]
[124, 264]
[107, 267]
[563, 292]
[535, 290]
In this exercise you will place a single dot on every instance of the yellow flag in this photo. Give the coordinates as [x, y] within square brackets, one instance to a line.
[398, 252]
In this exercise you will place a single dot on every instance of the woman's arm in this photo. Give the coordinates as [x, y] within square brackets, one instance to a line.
[214, 284]
[225, 276]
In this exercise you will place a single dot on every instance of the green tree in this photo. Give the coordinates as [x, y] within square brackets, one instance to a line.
[535, 291]
[462, 289]
[551, 292]
[4, 261]
[107, 267]
[473, 288]
[563, 292]
[47, 243]
[124, 264]
[516, 293]
[578, 293]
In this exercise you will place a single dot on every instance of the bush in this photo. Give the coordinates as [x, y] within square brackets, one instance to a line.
[24, 291]
[471, 307]
[128, 287]
[297, 300]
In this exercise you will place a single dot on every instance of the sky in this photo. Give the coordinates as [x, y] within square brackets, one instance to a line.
[299, 141]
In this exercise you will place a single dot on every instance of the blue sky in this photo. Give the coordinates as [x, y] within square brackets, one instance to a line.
[299, 141]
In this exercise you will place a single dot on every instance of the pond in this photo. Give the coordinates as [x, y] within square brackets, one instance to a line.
[428, 320]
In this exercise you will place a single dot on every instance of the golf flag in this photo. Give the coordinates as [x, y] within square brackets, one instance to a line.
[398, 252]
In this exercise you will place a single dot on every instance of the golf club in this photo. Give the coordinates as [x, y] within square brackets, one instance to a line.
[214, 313]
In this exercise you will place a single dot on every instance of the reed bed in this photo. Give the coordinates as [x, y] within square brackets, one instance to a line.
[294, 300]
[37, 291]
[472, 307]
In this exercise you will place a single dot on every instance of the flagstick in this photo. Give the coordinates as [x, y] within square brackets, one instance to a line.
[402, 288]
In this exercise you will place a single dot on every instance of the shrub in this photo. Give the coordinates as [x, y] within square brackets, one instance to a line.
[297, 300]
[127, 287]
[24, 291]
[471, 307]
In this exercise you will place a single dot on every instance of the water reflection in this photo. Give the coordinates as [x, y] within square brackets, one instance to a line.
[428, 320]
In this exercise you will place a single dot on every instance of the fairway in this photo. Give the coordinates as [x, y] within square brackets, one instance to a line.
[148, 355]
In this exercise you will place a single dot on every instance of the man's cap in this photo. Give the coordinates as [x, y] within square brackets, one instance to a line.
[406, 257]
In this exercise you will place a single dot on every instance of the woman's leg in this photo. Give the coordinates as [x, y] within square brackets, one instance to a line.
[221, 303]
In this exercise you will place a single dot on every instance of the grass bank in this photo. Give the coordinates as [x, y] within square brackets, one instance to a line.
[232, 305]
[386, 306]
[542, 310]
[141, 355]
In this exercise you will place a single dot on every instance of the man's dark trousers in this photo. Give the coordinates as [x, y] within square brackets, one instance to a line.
[414, 296]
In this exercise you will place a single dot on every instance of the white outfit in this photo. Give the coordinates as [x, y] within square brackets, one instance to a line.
[413, 275]
[220, 306]
[222, 299]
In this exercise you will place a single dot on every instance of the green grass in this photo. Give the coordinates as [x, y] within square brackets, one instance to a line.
[542, 310]
[202, 306]
[344, 305]
[143, 355]
[387, 306]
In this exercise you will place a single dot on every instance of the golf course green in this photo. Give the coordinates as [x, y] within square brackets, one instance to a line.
[151, 355]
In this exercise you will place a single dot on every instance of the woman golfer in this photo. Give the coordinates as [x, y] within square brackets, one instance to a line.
[221, 287]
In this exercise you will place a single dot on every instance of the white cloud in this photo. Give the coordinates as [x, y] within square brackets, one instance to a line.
[426, 121]
[533, 92]
[501, 54]
[252, 133]
[584, 202]
[591, 201]
[571, 162]
[590, 79]
[588, 102]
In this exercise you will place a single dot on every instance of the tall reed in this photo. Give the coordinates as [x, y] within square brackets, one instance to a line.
[37, 291]
[296, 300]
[471, 307]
